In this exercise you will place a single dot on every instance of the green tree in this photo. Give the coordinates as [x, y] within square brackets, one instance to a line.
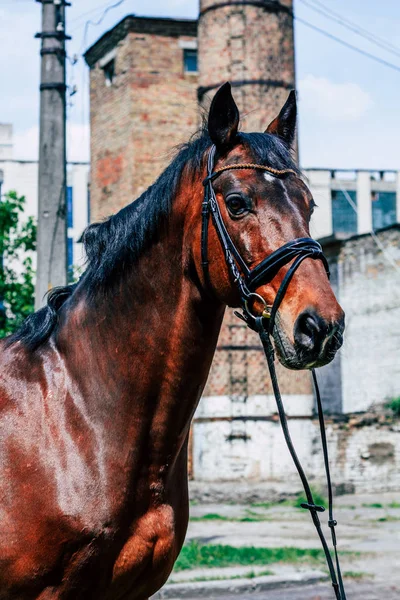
[17, 242]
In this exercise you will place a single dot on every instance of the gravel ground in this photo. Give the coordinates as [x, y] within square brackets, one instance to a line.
[368, 525]
[374, 532]
[355, 591]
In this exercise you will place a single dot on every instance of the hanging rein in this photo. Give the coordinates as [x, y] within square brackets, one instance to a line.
[247, 281]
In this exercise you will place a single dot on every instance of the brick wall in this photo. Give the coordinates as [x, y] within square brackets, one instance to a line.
[150, 107]
[253, 47]
[111, 142]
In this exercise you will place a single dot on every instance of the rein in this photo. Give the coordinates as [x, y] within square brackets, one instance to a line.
[247, 281]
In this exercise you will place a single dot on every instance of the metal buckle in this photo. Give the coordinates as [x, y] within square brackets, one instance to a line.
[266, 314]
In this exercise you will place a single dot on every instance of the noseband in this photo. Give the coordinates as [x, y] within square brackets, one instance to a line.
[248, 281]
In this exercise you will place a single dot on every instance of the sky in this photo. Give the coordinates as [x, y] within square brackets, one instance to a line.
[349, 105]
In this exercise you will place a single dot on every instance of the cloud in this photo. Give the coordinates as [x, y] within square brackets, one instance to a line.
[26, 143]
[334, 101]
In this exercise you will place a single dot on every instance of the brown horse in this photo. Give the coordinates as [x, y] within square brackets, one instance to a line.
[98, 388]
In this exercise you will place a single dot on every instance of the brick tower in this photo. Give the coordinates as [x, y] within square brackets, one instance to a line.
[251, 44]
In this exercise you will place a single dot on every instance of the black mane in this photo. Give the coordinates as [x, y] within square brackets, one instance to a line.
[119, 241]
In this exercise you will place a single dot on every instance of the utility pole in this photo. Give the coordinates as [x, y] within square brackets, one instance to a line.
[52, 221]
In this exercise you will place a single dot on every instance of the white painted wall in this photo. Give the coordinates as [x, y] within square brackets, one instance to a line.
[364, 208]
[319, 183]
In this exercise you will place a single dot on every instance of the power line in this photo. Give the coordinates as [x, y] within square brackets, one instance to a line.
[347, 45]
[368, 35]
[87, 13]
[98, 22]
[365, 31]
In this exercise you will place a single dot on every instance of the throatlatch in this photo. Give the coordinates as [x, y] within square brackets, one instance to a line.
[247, 281]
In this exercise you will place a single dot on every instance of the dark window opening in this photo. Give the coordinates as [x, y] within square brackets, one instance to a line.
[70, 207]
[190, 61]
[344, 217]
[109, 72]
[383, 209]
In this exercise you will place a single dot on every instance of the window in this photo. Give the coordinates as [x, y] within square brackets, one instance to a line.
[70, 259]
[109, 72]
[70, 207]
[344, 216]
[190, 61]
[383, 209]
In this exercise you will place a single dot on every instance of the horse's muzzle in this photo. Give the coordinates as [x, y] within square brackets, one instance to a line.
[316, 340]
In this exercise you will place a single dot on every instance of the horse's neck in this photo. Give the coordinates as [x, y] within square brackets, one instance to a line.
[143, 353]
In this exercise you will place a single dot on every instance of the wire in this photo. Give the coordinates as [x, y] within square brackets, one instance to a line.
[347, 45]
[98, 22]
[85, 14]
[371, 37]
[395, 49]
[372, 233]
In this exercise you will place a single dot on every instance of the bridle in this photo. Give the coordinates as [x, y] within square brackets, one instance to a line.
[247, 281]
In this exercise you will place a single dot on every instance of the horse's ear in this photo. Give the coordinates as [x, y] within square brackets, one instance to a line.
[284, 124]
[223, 119]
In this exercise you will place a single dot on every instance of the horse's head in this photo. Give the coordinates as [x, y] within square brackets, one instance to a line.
[263, 211]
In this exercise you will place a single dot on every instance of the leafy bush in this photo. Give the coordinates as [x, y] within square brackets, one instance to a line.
[394, 405]
[17, 242]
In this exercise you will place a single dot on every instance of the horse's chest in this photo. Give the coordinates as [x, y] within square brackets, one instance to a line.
[148, 556]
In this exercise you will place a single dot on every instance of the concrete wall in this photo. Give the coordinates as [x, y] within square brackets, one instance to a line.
[369, 291]
[363, 458]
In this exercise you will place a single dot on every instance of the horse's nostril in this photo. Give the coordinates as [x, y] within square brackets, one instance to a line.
[309, 331]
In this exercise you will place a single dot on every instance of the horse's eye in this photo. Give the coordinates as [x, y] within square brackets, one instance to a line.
[236, 205]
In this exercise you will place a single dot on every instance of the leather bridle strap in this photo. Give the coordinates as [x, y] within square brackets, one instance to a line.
[247, 281]
[336, 578]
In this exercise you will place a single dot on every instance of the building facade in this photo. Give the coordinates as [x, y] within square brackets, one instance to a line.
[22, 176]
[143, 86]
[351, 202]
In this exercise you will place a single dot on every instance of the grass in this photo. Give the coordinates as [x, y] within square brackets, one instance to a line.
[300, 499]
[355, 575]
[195, 555]
[249, 575]
[394, 405]
[211, 517]
[388, 518]
[318, 499]
[373, 505]
[394, 505]
[249, 517]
